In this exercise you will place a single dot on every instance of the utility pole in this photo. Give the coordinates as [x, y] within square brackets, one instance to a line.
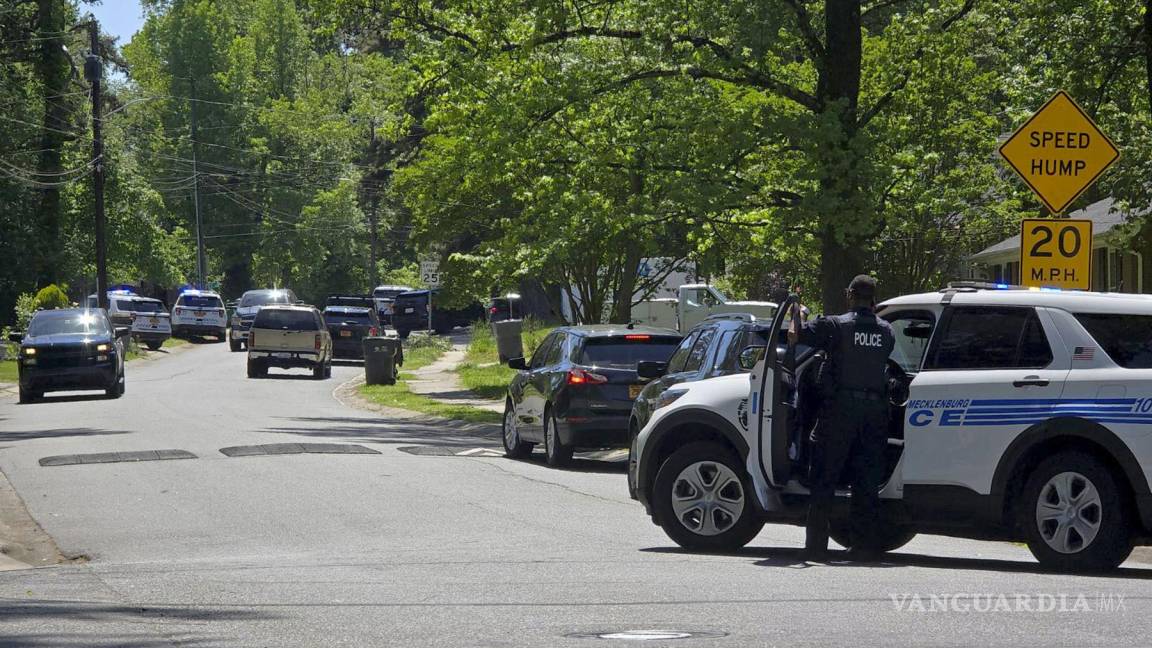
[94, 73]
[201, 270]
[373, 185]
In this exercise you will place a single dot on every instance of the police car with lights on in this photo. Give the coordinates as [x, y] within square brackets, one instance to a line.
[1027, 419]
[199, 312]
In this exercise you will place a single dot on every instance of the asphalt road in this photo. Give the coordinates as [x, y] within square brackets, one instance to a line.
[393, 549]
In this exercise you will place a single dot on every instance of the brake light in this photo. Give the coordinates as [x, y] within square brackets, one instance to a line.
[372, 332]
[638, 337]
[317, 341]
[493, 310]
[582, 377]
[252, 338]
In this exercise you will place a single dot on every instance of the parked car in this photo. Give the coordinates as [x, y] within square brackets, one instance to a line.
[250, 303]
[121, 304]
[151, 323]
[410, 313]
[67, 349]
[499, 309]
[288, 337]
[693, 304]
[199, 312]
[349, 325]
[385, 296]
[578, 388]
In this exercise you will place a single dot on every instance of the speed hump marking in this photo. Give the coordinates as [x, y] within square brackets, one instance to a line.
[1056, 253]
[1059, 152]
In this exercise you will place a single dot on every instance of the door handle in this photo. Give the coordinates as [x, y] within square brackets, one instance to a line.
[1031, 381]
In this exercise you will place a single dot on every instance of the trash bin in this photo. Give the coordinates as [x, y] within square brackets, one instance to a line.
[508, 342]
[381, 357]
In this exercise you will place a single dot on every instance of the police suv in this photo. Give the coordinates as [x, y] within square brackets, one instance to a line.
[199, 312]
[1028, 416]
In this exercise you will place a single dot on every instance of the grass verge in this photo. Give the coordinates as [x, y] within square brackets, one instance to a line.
[9, 373]
[481, 372]
[422, 353]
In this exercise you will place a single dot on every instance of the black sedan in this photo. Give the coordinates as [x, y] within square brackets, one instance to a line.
[578, 388]
[70, 349]
[349, 325]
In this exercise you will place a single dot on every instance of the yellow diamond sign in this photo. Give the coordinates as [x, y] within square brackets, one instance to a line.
[1059, 152]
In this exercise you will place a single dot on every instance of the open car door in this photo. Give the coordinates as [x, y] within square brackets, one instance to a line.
[772, 381]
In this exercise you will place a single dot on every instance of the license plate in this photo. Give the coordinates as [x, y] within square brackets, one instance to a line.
[345, 333]
[199, 313]
[153, 321]
[281, 355]
[634, 391]
[409, 310]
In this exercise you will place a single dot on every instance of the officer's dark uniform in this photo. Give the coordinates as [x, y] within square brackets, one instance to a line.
[853, 425]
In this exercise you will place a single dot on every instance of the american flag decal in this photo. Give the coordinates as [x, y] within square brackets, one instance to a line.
[1083, 353]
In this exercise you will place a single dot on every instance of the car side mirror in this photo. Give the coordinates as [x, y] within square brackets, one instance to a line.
[750, 356]
[518, 364]
[123, 332]
[651, 369]
[16, 337]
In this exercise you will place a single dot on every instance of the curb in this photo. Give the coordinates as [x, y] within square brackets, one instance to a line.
[348, 395]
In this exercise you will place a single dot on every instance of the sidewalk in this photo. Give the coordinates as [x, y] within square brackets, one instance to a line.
[438, 382]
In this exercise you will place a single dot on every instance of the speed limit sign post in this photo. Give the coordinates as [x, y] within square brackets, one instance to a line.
[1056, 253]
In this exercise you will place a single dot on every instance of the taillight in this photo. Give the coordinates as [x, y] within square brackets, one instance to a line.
[582, 377]
[317, 341]
[493, 310]
[372, 332]
[638, 337]
[251, 338]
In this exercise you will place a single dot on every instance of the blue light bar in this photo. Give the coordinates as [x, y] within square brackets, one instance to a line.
[1002, 286]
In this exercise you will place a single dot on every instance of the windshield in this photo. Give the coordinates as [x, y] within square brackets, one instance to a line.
[199, 301]
[264, 297]
[288, 320]
[68, 323]
[626, 351]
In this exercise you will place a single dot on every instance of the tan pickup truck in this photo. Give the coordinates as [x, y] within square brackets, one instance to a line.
[289, 337]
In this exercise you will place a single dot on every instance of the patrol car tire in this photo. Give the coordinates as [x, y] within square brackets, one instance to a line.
[713, 459]
[887, 539]
[1085, 488]
[515, 447]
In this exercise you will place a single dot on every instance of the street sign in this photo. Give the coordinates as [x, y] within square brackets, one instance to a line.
[430, 273]
[1056, 253]
[1059, 152]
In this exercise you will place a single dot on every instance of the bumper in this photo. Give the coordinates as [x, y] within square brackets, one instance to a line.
[194, 329]
[347, 348]
[285, 359]
[100, 376]
[151, 336]
[594, 431]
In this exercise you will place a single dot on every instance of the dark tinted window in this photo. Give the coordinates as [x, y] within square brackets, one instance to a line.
[290, 320]
[543, 350]
[71, 322]
[680, 356]
[626, 350]
[699, 350]
[556, 351]
[992, 338]
[139, 306]
[265, 297]
[1127, 339]
[200, 301]
[733, 343]
[348, 316]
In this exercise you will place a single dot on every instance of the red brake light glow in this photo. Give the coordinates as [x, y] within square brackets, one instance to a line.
[317, 342]
[638, 337]
[582, 377]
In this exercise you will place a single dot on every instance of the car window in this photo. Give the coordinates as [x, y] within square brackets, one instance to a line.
[699, 350]
[680, 356]
[542, 351]
[992, 338]
[348, 316]
[556, 352]
[1127, 339]
[199, 301]
[265, 297]
[68, 323]
[912, 330]
[287, 320]
[627, 350]
[726, 351]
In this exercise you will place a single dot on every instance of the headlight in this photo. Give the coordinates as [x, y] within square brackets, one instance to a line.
[101, 348]
[29, 351]
[668, 397]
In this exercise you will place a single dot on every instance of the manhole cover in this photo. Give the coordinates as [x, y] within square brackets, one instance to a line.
[450, 451]
[649, 635]
[296, 448]
[116, 457]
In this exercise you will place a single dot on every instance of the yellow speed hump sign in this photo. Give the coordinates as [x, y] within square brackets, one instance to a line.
[1059, 152]
[1056, 253]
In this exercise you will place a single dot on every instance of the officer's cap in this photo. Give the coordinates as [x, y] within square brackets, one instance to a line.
[863, 286]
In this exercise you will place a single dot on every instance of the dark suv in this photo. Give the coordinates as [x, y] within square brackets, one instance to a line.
[76, 348]
[410, 313]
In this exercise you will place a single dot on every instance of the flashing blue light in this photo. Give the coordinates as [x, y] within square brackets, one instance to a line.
[1049, 289]
[1002, 286]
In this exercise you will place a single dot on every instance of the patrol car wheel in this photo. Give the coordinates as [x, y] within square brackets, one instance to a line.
[514, 446]
[703, 499]
[1074, 514]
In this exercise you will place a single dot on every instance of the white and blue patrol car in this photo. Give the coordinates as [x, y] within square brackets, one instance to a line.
[1028, 417]
[199, 312]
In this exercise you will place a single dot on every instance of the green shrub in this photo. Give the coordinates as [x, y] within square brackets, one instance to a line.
[26, 305]
[52, 296]
[419, 340]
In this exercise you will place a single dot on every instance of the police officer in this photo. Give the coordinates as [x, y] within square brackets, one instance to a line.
[853, 425]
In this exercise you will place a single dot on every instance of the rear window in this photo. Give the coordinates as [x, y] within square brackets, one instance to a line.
[139, 306]
[1127, 339]
[348, 316]
[289, 320]
[626, 351]
[199, 301]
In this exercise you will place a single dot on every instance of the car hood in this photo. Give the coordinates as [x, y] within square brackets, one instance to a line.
[65, 339]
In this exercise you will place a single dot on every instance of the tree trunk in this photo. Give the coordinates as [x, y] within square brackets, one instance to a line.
[633, 254]
[1148, 49]
[53, 69]
[838, 93]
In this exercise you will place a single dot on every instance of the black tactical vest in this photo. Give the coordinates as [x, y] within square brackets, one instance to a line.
[861, 355]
